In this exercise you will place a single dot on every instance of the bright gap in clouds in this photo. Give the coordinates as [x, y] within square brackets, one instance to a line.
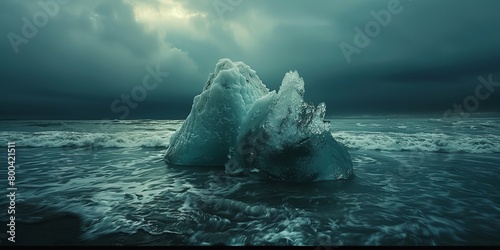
[162, 14]
[171, 17]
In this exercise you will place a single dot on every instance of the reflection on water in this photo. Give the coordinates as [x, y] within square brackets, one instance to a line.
[126, 194]
[446, 200]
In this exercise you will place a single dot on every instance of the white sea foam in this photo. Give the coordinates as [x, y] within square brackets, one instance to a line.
[56, 139]
[425, 142]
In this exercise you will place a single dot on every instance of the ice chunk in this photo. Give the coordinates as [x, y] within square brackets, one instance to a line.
[213, 123]
[238, 123]
[283, 138]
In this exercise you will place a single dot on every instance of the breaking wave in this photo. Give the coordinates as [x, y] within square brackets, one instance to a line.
[389, 141]
[57, 139]
[423, 142]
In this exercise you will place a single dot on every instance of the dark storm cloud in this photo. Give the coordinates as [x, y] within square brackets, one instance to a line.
[86, 65]
[427, 58]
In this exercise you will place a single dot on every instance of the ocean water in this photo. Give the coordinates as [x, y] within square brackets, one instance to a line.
[416, 182]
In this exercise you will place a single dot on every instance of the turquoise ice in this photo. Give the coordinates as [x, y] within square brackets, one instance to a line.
[237, 122]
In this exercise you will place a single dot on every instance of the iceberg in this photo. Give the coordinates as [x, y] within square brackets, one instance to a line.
[216, 115]
[237, 122]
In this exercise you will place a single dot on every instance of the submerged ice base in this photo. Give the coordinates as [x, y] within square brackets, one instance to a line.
[237, 122]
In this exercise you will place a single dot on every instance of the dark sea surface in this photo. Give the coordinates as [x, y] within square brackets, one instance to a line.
[416, 182]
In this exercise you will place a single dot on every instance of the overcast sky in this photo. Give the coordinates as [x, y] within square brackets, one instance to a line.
[75, 60]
